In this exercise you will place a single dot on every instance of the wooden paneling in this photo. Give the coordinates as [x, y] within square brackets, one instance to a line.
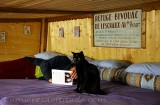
[150, 35]
[17, 44]
[54, 8]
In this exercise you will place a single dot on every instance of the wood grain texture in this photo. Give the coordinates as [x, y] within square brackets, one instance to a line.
[17, 44]
[150, 51]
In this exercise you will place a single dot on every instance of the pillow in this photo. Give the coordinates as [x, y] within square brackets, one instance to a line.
[111, 63]
[47, 55]
[114, 74]
[150, 68]
[107, 74]
[143, 80]
[87, 58]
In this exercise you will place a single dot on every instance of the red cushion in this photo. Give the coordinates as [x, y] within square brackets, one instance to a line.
[17, 69]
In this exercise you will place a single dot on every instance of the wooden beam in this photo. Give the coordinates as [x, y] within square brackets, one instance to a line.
[20, 20]
[22, 10]
[69, 17]
[44, 32]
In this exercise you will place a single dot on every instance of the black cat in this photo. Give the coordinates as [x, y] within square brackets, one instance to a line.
[88, 78]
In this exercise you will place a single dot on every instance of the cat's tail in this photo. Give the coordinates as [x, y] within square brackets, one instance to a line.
[99, 92]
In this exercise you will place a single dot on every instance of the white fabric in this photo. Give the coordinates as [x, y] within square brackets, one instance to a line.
[111, 63]
[47, 55]
[151, 68]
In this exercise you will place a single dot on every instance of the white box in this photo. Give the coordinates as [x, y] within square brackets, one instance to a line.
[62, 77]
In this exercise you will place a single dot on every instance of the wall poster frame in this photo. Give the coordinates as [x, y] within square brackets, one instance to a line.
[118, 29]
[2, 36]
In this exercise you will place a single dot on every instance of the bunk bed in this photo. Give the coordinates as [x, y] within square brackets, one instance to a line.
[124, 86]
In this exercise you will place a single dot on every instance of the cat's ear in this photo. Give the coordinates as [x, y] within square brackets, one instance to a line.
[81, 52]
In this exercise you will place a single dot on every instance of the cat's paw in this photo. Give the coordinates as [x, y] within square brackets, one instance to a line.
[76, 90]
[80, 91]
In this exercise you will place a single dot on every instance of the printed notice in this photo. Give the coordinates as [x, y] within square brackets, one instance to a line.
[62, 77]
[118, 29]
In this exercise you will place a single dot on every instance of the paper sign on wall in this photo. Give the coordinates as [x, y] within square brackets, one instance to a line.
[118, 29]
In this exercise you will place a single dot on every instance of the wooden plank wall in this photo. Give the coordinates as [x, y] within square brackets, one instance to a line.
[17, 44]
[150, 36]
